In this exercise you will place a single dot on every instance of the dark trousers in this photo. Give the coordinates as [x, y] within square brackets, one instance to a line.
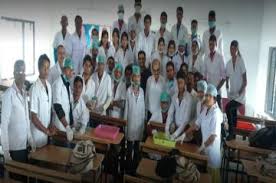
[219, 100]
[132, 155]
[22, 157]
[231, 112]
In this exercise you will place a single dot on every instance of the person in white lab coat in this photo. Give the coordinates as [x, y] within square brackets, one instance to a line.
[163, 32]
[171, 50]
[63, 37]
[155, 86]
[15, 122]
[236, 81]
[145, 72]
[136, 20]
[214, 67]
[123, 56]
[106, 49]
[209, 121]
[195, 60]
[135, 116]
[213, 30]
[110, 65]
[88, 91]
[180, 110]
[179, 31]
[116, 108]
[132, 44]
[80, 111]
[161, 54]
[103, 86]
[120, 24]
[201, 91]
[62, 100]
[146, 40]
[115, 44]
[41, 104]
[194, 35]
[56, 70]
[78, 45]
[180, 57]
[171, 83]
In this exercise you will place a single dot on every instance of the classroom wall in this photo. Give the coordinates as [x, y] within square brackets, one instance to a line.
[241, 20]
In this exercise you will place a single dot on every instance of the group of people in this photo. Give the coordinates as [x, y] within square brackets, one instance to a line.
[173, 78]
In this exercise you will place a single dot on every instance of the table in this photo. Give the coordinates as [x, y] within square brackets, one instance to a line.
[186, 149]
[251, 171]
[59, 157]
[146, 169]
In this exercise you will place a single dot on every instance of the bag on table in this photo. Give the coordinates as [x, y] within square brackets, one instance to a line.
[264, 138]
[81, 160]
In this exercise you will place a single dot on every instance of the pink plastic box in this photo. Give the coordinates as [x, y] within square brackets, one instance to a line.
[106, 132]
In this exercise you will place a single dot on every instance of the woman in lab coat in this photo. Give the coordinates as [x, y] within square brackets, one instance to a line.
[180, 57]
[171, 50]
[161, 54]
[80, 111]
[236, 76]
[123, 56]
[105, 48]
[103, 89]
[115, 44]
[41, 103]
[119, 92]
[88, 83]
[195, 60]
[135, 115]
[209, 121]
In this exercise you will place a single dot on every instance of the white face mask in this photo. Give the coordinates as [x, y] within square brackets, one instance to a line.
[163, 25]
[121, 16]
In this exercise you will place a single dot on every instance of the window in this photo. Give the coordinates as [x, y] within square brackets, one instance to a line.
[270, 104]
[17, 42]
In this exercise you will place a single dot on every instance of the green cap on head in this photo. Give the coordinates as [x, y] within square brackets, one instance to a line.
[67, 63]
[101, 59]
[136, 70]
[164, 97]
[182, 42]
[212, 90]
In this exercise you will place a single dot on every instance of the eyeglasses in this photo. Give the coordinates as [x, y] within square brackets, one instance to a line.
[19, 72]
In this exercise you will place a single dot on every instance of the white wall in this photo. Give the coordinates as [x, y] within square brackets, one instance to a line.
[241, 20]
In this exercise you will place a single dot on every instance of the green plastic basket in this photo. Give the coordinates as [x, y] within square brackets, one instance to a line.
[160, 139]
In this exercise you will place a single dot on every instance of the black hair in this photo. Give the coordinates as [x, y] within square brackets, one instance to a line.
[124, 34]
[184, 64]
[213, 38]
[181, 75]
[164, 14]
[111, 57]
[128, 68]
[161, 39]
[171, 42]
[42, 59]
[78, 79]
[94, 29]
[194, 21]
[87, 58]
[179, 9]
[78, 17]
[141, 52]
[198, 75]
[170, 64]
[235, 43]
[60, 46]
[104, 32]
[116, 31]
[147, 17]
[212, 13]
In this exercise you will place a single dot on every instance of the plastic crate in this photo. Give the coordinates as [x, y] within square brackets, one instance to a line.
[244, 125]
[160, 139]
[106, 132]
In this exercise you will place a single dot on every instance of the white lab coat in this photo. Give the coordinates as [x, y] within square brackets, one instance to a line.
[110, 52]
[88, 91]
[205, 41]
[60, 96]
[167, 37]
[139, 26]
[135, 115]
[124, 27]
[78, 51]
[119, 94]
[163, 61]
[214, 70]
[41, 103]
[180, 113]
[66, 42]
[210, 123]
[80, 113]
[236, 79]
[132, 53]
[198, 66]
[103, 90]
[189, 46]
[178, 60]
[153, 92]
[15, 122]
[147, 44]
[124, 57]
[157, 117]
[171, 87]
[54, 73]
[182, 34]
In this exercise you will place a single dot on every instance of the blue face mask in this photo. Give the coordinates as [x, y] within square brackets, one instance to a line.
[95, 38]
[212, 24]
[66, 78]
[194, 32]
[135, 84]
[165, 109]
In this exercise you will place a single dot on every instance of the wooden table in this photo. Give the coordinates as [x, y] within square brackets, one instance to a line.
[56, 156]
[186, 149]
[252, 171]
[146, 170]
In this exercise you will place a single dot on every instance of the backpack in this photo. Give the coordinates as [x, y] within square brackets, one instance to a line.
[81, 160]
[264, 138]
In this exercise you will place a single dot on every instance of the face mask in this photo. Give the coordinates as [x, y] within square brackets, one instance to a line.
[194, 32]
[165, 109]
[66, 78]
[137, 9]
[163, 25]
[95, 38]
[121, 16]
[212, 24]
[181, 53]
[135, 84]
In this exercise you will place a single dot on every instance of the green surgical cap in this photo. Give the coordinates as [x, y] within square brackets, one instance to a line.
[202, 86]
[136, 70]
[119, 66]
[212, 90]
[164, 97]
[67, 63]
[182, 42]
[101, 59]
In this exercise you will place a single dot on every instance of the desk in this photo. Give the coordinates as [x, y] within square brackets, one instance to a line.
[146, 169]
[186, 149]
[251, 171]
[59, 157]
